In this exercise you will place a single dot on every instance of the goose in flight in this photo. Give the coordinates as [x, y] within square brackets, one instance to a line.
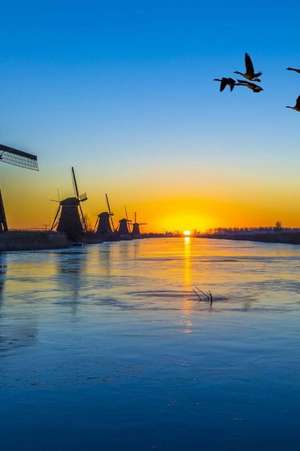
[249, 85]
[250, 72]
[297, 105]
[224, 81]
[294, 69]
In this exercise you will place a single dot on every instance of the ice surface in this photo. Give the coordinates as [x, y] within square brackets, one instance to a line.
[106, 347]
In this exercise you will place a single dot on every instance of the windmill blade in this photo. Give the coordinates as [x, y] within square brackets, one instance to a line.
[75, 183]
[96, 225]
[135, 216]
[54, 222]
[112, 224]
[108, 204]
[110, 212]
[83, 218]
[18, 158]
[126, 214]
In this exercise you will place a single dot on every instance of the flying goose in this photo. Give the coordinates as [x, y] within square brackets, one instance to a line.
[224, 81]
[248, 84]
[250, 73]
[297, 106]
[294, 69]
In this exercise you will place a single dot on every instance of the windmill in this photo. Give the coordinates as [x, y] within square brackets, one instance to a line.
[136, 232]
[18, 158]
[123, 229]
[69, 218]
[104, 224]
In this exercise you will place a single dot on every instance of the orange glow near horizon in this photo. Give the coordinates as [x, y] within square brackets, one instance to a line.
[35, 210]
[163, 207]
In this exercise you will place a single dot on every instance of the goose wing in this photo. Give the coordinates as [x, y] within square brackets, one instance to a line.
[294, 69]
[223, 84]
[231, 83]
[255, 87]
[298, 103]
[249, 64]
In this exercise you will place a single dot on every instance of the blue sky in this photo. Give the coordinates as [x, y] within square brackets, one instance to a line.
[124, 92]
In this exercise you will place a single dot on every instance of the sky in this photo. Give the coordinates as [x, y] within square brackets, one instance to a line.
[124, 92]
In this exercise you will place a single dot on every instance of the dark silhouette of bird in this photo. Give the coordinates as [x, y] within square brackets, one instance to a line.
[226, 81]
[249, 85]
[293, 69]
[250, 73]
[297, 105]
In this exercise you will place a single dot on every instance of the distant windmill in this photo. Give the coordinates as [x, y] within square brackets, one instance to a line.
[136, 232]
[104, 224]
[18, 158]
[123, 230]
[69, 218]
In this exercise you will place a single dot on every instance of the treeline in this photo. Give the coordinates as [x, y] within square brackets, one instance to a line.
[268, 229]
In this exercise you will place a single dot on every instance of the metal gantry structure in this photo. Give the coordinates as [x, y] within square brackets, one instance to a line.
[18, 158]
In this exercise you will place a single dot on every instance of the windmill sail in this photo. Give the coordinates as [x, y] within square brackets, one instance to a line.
[75, 183]
[110, 212]
[19, 158]
[80, 197]
[108, 204]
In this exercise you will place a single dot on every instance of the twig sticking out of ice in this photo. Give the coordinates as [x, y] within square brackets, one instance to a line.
[203, 295]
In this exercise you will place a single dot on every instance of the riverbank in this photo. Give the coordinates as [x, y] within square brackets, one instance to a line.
[32, 240]
[284, 237]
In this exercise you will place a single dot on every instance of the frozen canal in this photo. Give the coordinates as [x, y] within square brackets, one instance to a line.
[107, 348]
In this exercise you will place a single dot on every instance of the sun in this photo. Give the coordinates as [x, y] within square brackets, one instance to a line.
[187, 233]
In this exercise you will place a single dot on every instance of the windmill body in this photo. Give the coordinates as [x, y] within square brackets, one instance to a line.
[123, 226]
[69, 217]
[136, 230]
[70, 221]
[104, 226]
[123, 230]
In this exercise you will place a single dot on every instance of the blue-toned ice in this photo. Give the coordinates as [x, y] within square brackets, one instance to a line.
[106, 347]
